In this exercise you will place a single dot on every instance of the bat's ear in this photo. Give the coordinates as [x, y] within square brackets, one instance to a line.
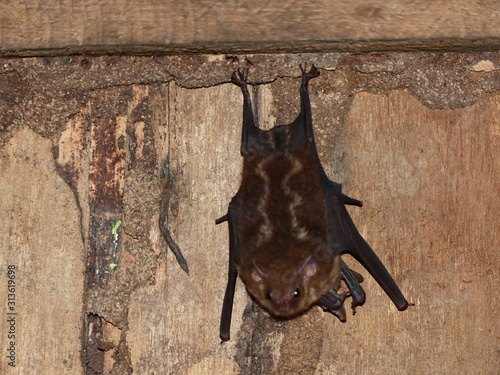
[257, 274]
[257, 277]
[309, 268]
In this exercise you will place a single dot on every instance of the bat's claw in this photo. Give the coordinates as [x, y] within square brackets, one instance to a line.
[222, 219]
[308, 75]
[239, 77]
[333, 302]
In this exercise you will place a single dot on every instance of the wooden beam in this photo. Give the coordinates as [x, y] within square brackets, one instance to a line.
[35, 28]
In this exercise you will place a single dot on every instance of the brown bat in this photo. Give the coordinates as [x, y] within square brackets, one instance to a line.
[288, 224]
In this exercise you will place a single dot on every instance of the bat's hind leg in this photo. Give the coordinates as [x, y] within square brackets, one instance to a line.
[250, 130]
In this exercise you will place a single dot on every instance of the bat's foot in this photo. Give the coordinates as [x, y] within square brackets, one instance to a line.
[308, 75]
[239, 78]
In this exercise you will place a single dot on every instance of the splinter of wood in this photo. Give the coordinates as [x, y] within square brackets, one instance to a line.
[166, 233]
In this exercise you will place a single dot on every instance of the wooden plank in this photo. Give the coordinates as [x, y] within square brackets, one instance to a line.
[45, 251]
[178, 316]
[49, 27]
[429, 181]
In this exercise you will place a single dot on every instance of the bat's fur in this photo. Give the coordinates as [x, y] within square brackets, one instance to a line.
[285, 259]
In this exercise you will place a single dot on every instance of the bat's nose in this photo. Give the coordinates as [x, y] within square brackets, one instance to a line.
[284, 302]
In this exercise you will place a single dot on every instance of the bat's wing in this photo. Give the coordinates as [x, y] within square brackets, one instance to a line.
[234, 255]
[249, 138]
[348, 240]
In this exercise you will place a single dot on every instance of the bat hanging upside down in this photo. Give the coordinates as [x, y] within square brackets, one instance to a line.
[288, 225]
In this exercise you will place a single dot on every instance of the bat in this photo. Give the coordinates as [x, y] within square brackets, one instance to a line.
[288, 224]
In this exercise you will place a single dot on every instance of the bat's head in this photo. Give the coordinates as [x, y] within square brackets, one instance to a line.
[287, 290]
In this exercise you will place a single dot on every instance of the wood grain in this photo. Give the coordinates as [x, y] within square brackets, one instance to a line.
[429, 181]
[180, 311]
[47, 252]
[52, 27]
[415, 136]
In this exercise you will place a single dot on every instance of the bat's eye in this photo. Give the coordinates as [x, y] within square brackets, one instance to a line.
[268, 296]
[296, 293]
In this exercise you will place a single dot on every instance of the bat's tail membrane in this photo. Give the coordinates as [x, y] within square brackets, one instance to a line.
[353, 243]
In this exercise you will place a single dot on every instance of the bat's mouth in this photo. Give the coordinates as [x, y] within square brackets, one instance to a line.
[285, 303]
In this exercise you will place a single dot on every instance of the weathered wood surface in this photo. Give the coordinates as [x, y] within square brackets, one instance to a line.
[34, 28]
[415, 136]
[40, 239]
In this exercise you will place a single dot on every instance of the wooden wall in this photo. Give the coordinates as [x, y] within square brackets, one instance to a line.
[90, 144]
